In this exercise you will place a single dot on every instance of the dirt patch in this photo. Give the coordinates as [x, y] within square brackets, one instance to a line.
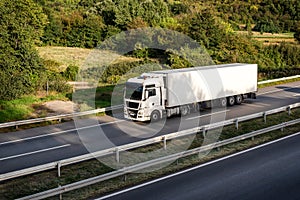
[56, 107]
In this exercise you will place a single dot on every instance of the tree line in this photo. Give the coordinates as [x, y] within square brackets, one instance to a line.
[25, 24]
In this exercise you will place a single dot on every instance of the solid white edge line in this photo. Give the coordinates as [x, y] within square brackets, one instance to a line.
[205, 115]
[197, 167]
[57, 133]
[34, 152]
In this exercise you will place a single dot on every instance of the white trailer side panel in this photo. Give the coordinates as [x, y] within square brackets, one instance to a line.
[198, 84]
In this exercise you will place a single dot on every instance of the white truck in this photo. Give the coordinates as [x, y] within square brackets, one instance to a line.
[163, 93]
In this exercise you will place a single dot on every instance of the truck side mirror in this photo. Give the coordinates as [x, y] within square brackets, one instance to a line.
[146, 94]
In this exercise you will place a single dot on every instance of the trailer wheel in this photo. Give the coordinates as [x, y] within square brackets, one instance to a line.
[231, 101]
[223, 102]
[238, 99]
[155, 116]
[184, 110]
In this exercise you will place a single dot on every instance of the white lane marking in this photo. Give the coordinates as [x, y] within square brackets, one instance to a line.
[57, 133]
[196, 167]
[34, 152]
[278, 90]
[258, 105]
[207, 114]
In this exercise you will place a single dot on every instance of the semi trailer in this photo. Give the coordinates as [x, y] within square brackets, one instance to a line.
[164, 93]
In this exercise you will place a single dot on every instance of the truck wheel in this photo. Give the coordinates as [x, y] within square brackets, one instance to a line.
[223, 102]
[231, 101]
[155, 116]
[238, 99]
[184, 110]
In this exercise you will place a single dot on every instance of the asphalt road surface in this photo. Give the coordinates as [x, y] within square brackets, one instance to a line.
[32, 147]
[268, 172]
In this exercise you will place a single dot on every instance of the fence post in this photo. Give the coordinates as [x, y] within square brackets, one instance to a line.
[47, 88]
[58, 169]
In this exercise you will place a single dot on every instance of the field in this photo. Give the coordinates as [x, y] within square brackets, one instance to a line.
[271, 39]
[65, 56]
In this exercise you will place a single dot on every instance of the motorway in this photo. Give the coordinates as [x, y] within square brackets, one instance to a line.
[268, 172]
[27, 148]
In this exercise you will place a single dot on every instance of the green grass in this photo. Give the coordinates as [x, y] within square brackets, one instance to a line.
[101, 97]
[42, 181]
[23, 108]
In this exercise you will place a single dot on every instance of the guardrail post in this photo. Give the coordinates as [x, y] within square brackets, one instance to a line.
[165, 142]
[237, 124]
[204, 133]
[60, 194]
[117, 155]
[265, 117]
[58, 169]
[17, 127]
[289, 110]
[283, 125]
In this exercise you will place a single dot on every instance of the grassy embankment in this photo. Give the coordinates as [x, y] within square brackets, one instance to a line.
[42, 181]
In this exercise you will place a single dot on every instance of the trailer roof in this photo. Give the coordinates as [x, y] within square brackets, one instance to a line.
[199, 68]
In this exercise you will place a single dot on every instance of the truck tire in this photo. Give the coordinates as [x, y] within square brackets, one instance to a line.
[223, 102]
[184, 110]
[238, 99]
[231, 101]
[155, 116]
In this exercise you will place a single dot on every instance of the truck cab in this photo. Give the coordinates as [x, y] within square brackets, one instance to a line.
[143, 98]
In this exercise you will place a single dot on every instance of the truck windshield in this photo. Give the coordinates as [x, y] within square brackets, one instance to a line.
[134, 91]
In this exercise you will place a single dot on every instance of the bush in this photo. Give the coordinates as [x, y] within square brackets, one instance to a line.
[71, 72]
[56, 82]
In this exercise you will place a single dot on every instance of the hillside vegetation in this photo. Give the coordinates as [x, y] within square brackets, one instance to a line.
[216, 25]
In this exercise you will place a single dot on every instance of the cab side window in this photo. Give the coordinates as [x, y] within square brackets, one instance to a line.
[152, 92]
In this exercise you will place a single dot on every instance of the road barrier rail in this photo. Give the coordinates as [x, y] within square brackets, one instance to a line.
[58, 117]
[164, 138]
[130, 169]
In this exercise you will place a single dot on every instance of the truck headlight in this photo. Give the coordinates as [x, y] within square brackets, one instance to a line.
[140, 112]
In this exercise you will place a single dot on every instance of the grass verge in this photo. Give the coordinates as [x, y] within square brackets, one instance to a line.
[24, 108]
[42, 181]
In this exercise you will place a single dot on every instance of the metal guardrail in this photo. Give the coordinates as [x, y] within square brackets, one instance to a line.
[164, 138]
[78, 114]
[59, 117]
[150, 163]
[279, 79]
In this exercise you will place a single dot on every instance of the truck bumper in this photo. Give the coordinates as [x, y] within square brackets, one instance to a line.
[135, 115]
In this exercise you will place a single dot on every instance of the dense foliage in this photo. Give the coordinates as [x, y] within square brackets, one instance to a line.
[87, 23]
[21, 25]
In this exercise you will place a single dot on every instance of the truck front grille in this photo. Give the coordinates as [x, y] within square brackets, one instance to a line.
[132, 104]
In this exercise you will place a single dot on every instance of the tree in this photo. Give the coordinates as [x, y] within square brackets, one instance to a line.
[297, 33]
[21, 26]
